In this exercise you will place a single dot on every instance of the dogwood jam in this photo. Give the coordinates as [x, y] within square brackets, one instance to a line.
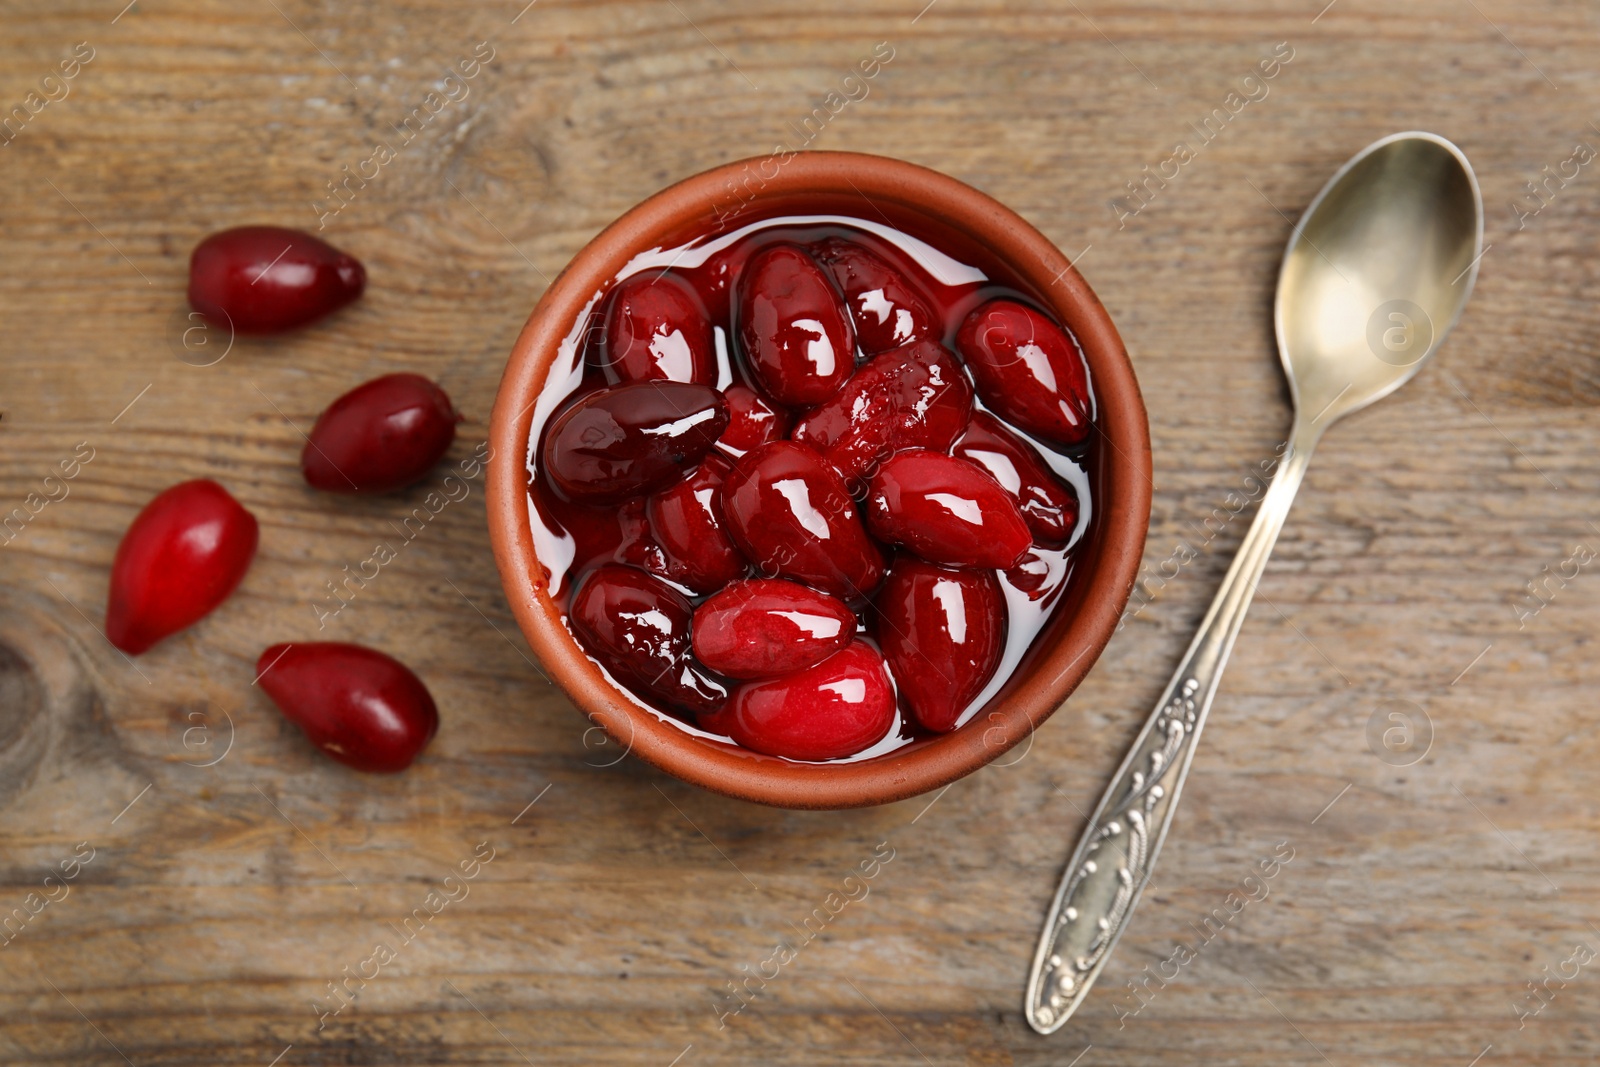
[574, 534]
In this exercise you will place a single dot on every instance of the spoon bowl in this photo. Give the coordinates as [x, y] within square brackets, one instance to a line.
[1376, 272]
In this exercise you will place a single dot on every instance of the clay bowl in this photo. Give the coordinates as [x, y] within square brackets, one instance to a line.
[955, 218]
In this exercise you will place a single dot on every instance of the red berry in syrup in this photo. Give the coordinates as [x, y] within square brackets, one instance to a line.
[793, 327]
[656, 329]
[1049, 505]
[912, 397]
[790, 513]
[268, 279]
[946, 510]
[765, 627]
[886, 308]
[181, 557]
[718, 279]
[751, 422]
[837, 708]
[636, 545]
[611, 533]
[637, 626]
[631, 439]
[943, 632]
[1028, 370]
[382, 435]
[1038, 575]
[686, 521]
[361, 707]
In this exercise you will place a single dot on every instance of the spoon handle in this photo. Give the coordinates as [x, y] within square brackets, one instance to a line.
[1117, 850]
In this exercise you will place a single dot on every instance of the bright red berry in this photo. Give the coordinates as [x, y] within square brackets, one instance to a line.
[268, 279]
[1028, 370]
[686, 521]
[943, 632]
[382, 435]
[765, 627]
[751, 422]
[657, 329]
[912, 397]
[837, 708]
[181, 557]
[620, 442]
[637, 626]
[886, 308]
[795, 332]
[946, 510]
[360, 706]
[791, 514]
[1049, 505]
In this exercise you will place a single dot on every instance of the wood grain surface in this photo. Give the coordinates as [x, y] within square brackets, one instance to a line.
[233, 873]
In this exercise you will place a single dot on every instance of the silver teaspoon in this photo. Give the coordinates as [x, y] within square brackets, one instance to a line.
[1374, 275]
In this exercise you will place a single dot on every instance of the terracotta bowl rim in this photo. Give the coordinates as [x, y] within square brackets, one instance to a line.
[1124, 500]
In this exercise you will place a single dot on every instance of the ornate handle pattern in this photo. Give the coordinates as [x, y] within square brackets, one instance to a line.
[1117, 850]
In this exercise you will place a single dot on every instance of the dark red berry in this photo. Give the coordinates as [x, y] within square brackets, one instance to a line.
[717, 280]
[912, 397]
[1028, 370]
[1037, 574]
[687, 522]
[793, 327]
[946, 510]
[637, 626]
[637, 438]
[1049, 505]
[636, 544]
[751, 421]
[611, 533]
[886, 308]
[766, 627]
[943, 632]
[837, 708]
[382, 435]
[361, 707]
[656, 329]
[268, 279]
[182, 555]
[790, 513]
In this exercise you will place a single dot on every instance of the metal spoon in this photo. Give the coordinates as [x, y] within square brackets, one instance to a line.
[1375, 274]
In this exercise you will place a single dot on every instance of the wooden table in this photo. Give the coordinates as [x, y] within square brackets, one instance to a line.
[228, 886]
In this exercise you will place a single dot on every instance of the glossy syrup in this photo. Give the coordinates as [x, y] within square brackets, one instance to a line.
[570, 538]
